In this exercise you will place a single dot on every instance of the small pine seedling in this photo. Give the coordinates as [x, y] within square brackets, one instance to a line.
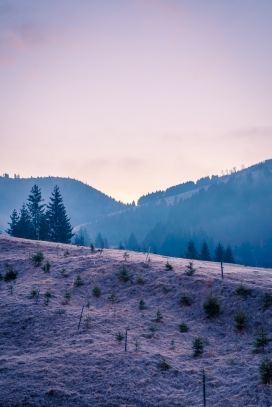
[60, 311]
[46, 267]
[139, 280]
[88, 304]
[66, 253]
[123, 274]
[78, 281]
[126, 256]
[96, 292]
[166, 290]
[88, 319]
[10, 275]
[159, 316]
[10, 289]
[185, 299]
[67, 296]
[172, 344]
[119, 336]
[190, 269]
[33, 292]
[92, 247]
[211, 306]
[168, 266]
[267, 301]
[141, 304]
[37, 259]
[243, 290]
[164, 365]
[47, 297]
[183, 327]
[261, 339]
[152, 329]
[63, 272]
[198, 346]
[112, 297]
[265, 370]
[137, 345]
[240, 318]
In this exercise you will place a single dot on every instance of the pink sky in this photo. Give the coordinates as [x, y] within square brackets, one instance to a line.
[131, 96]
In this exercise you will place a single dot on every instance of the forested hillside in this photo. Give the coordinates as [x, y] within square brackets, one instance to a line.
[83, 203]
[236, 212]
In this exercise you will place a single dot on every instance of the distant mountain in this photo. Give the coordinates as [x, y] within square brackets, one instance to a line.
[83, 203]
[235, 209]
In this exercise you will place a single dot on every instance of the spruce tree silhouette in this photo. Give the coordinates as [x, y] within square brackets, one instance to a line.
[205, 252]
[219, 253]
[59, 227]
[36, 211]
[228, 257]
[191, 252]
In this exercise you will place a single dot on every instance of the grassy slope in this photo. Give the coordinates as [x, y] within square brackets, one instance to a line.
[46, 361]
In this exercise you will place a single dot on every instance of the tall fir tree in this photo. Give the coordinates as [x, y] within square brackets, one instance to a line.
[191, 252]
[59, 227]
[99, 241]
[205, 252]
[132, 243]
[13, 225]
[24, 229]
[219, 253]
[36, 211]
[228, 257]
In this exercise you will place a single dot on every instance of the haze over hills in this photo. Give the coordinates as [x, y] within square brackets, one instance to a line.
[235, 209]
[83, 202]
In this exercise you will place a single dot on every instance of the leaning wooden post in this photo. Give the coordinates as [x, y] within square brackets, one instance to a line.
[80, 317]
[37, 299]
[126, 341]
[222, 269]
[204, 387]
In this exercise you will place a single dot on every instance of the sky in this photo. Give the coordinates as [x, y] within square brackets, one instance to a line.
[133, 96]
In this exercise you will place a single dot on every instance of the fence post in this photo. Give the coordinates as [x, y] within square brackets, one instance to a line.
[222, 269]
[37, 299]
[80, 317]
[126, 341]
[204, 387]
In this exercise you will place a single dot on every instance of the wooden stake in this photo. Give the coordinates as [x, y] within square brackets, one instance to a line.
[37, 299]
[126, 341]
[80, 317]
[204, 387]
[222, 269]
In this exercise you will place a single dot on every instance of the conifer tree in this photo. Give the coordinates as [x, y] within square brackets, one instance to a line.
[36, 211]
[99, 242]
[191, 252]
[44, 228]
[228, 257]
[79, 239]
[23, 228]
[219, 253]
[59, 227]
[205, 252]
[132, 242]
[13, 225]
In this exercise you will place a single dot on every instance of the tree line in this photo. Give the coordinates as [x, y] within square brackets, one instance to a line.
[220, 253]
[38, 221]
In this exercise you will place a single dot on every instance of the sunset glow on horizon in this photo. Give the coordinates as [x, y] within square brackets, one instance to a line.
[131, 96]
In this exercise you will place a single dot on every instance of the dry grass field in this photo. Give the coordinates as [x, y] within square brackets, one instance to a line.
[46, 360]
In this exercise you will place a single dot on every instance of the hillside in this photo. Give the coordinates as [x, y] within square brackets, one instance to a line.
[46, 361]
[83, 203]
[235, 210]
